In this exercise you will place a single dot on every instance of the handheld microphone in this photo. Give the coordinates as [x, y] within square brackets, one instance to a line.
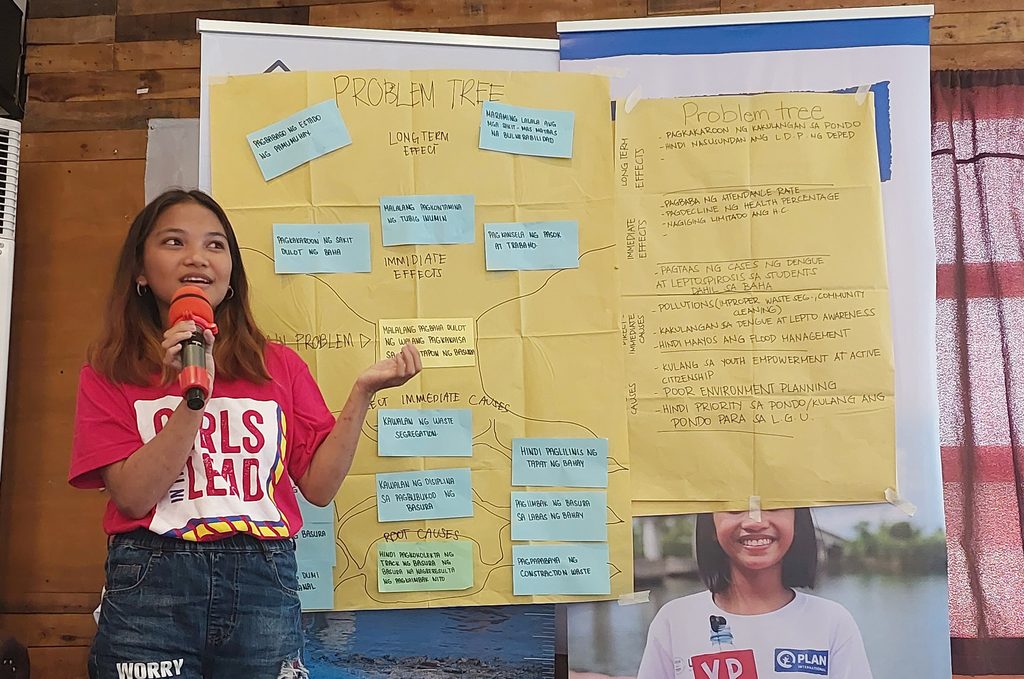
[191, 304]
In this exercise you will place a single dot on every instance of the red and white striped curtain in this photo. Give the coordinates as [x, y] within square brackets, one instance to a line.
[978, 197]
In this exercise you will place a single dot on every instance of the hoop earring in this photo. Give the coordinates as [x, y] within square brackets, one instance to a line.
[141, 289]
[231, 292]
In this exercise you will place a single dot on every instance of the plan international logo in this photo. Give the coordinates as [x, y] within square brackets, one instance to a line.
[801, 660]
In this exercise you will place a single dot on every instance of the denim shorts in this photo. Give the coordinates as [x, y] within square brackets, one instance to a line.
[172, 608]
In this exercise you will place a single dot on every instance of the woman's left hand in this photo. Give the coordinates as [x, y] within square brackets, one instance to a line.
[391, 372]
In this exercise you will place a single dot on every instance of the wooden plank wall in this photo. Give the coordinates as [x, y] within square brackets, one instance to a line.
[97, 71]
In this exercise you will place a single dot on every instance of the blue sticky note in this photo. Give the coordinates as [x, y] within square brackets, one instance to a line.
[427, 220]
[434, 494]
[532, 246]
[299, 138]
[560, 515]
[561, 569]
[404, 433]
[572, 463]
[313, 514]
[526, 131]
[315, 544]
[321, 248]
[316, 586]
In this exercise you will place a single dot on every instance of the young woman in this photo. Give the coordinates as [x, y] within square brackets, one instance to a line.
[751, 612]
[200, 575]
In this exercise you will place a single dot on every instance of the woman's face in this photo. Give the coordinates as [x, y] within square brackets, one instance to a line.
[187, 246]
[755, 545]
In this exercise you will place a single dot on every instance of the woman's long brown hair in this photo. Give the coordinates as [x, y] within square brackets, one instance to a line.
[129, 351]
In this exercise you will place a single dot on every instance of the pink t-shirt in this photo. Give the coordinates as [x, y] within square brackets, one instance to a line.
[254, 440]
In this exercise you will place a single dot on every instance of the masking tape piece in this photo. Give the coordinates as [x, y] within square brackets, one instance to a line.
[633, 98]
[893, 497]
[142, 90]
[611, 72]
[635, 598]
[862, 93]
[755, 508]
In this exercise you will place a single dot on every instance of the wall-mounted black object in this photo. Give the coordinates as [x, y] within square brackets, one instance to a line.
[12, 48]
[13, 660]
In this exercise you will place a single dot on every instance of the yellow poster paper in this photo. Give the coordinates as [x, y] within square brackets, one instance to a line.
[548, 358]
[442, 342]
[755, 302]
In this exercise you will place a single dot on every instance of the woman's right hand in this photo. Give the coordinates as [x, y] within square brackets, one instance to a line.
[138, 482]
[178, 333]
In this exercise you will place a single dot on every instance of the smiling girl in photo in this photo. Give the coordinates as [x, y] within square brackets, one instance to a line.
[751, 615]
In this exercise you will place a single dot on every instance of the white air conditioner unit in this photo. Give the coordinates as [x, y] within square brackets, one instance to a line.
[10, 153]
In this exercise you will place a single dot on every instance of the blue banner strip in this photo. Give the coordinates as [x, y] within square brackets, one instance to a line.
[798, 35]
[883, 132]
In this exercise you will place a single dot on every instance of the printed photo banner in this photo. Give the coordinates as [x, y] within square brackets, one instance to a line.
[883, 567]
[856, 577]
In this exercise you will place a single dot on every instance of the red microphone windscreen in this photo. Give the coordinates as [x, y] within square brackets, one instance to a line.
[190, 302]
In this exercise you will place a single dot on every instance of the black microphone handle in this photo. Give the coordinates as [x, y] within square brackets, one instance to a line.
[195, 398]
[193, 353]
